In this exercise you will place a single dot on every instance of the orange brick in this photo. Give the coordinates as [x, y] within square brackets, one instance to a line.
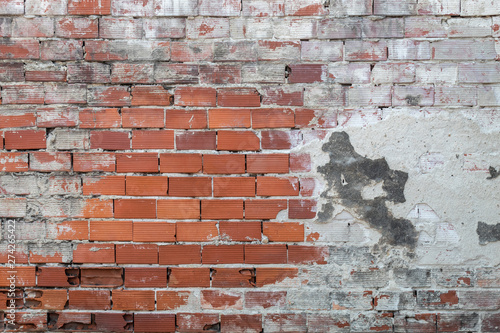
[196, 141]
[233, 277]
[151, 95]
[239, 231]
[153, 139]
[134, 300]
[25, 276]
[283, 231]
[171, 300]
[154, 322]
[143, 117]
[104, 185]
[265, 254]
[25, 139]
[221, 300]
[238, 97]
[263, 209]
[223, 254]
[18, 119]
[95, 208]
[87, 162]
[190, 186]
[136, 253]
[110, 230]
[100, 118]
[147, 185]
[57, 276]
[189, 277]
[197, 231]
[89, 7]
[103, 277]
[224, 164]
[179, 209]
[153, 232]
[180, 163]
[135, 208]
[145, 277]
[221, 209]
[94, 253]
[234, 186]
[229, 118]
[15, 162]
[272, 186]
[186, 119]
[179, 254]
[195, 96]
[137, 162]
[273, 118]
[89, 300]
[237, 140]
[307, 255]
[72, 230]
[302, 209]
[109, 140]
[46, 299]
[267, 163]
[270, 276]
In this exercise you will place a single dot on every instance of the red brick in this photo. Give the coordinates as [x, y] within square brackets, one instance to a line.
[87, 162]
[145, 277]
[46, 299]
[220, 73]
[46, 74]
[100, 118]
[222, 209]
[223, 254]
[19, 49]
[241, 323]
[154, 322]
[51, 161]
[280, 139]
[491, 323]
[273, 118]
[186, 119]
[147, 185]
[103, 277]
[300, 162]
[180, 163]
[265, 254]
[57, 276]
[307, 73]
[89, 7]
[18, 119]
[307, 255]
[143, 117]
[94, 253]
[238, 97]
[267, 163]
[195, 96]
[196, 322]
[189, 277]
[153, 139]
[29, 321]
[302, 209]
[25, 139]
[153, 232]
[179, 254]
[221, 300]
[111, 231]
[190, 186]
[229, 118]
[13, 162]
[109, 140]
[136, 253]
[77, 27]
[196, 141]
[133, 300]
[224, 164]
[283, 95]
[263, 209]
[270, 276]
[135, 208]
[273, 186]
[108, 96]
[265, 299]
[151, 95]
[237, 140]
[197, 231]
[234, 186]
[113, 322]
[57, 117]
[233, 278]
[191, 52]
[171, 300]
[137, 162]
[283, 231]
[306, 8]
[315, 118]
[238, 231]
[179, 209]
[89, 300]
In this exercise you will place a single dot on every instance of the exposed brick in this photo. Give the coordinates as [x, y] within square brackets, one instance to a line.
[179, 255]
[179, 209]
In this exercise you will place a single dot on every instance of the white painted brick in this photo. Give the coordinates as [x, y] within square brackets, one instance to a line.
[438, 7]
[440, 73]
[395, 7]
[339, 8]
[349, 73]
[413, 96]
[480, 7]
[469, 27]
[290, 28]
[393, 73]
[407, 49]
[488, 96]
[69, 139]
[369, 95]
[324, 96]
[455, 95]
[464, 49]
[252, 28]
[321, 51]
[176, 7]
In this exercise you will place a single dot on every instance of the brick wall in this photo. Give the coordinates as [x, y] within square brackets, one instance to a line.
[250, 165]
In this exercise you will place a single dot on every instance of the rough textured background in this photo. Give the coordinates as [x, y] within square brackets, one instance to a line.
[251, 165]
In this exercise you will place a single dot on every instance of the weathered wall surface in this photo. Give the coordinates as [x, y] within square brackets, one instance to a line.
[250, 165]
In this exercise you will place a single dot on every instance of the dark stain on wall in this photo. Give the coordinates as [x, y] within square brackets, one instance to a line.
[488, 232]
[348, 173]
